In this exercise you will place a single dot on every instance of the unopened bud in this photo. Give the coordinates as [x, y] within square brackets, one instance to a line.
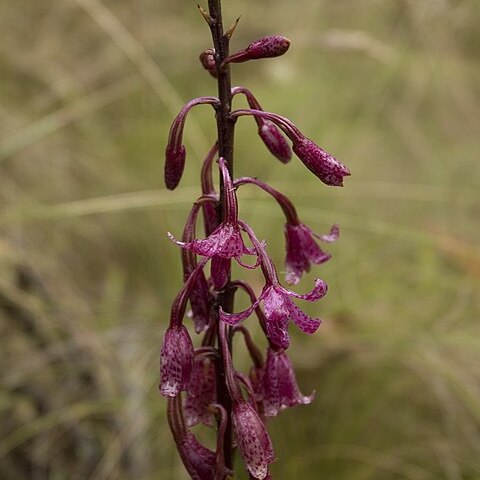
[174, 165]
[275, 141]
[326, 167]
[266, 47]
[207, 59]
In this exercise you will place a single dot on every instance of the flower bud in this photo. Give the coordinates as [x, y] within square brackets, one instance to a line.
[176, 360]
[174, 165]
[175, 150]
[207, 59]
[266, 47]
[252, 439]
[326, 167]
[275, 141]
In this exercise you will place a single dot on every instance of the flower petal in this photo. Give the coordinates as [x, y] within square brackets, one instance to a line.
[318, 292]
[305, 322]
[330, 237]
[234, 318]
[313, 253]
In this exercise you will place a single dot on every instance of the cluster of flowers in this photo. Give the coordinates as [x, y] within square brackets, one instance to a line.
[271, 385]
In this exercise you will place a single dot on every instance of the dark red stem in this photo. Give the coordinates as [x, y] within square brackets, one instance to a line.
[225, 127]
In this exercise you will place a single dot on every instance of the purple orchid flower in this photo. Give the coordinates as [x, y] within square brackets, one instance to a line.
[176, 356]
[201, 392]
[226, 241]
[267, 130]
[302, 249]
[176, 361]
[175, 151]
[301, 246]
[278, 305]
[325, 166]
[278, 384]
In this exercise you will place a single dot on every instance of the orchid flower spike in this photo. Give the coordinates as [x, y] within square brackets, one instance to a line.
[175, 151]
[226, 241]
[278, 305]
[266, 47]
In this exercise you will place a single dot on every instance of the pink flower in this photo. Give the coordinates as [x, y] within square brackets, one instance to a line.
[176, 360]
[278, 384]
[302, 249]
[226, 241]
[278, 305]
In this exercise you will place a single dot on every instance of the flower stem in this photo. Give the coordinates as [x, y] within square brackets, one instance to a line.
[225, 128]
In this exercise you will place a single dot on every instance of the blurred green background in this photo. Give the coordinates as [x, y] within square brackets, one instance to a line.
[87, 93]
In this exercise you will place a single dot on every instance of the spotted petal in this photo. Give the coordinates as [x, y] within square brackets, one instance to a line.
[318, 291]
[305, 322]
[235, 318]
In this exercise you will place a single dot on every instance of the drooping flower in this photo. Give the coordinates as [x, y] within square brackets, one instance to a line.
[200, 462]
[266, 47]
[325, 166]
[252, 439]
[175, 152]
[278, 304]
[176, 357]
[201, 393]
[226, 241]
[267, 130]
[279, 385]
[176, 361]
[302, 249]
